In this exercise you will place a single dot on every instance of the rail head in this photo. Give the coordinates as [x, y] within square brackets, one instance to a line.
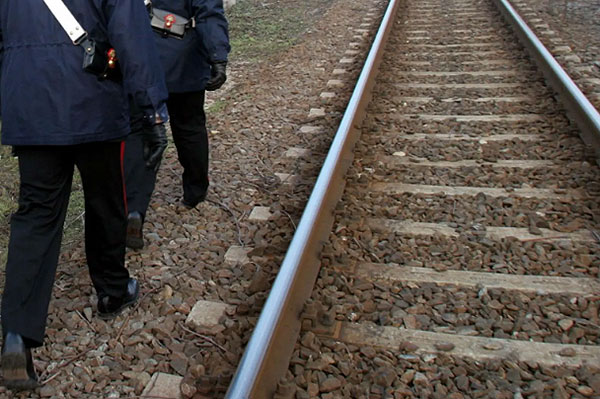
[579, 108]
[266, 357]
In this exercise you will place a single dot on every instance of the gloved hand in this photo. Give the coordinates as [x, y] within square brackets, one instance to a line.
[155, 143]
[218, 75]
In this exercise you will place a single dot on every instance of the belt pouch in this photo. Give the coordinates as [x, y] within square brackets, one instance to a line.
[100, 59]
[170, 25]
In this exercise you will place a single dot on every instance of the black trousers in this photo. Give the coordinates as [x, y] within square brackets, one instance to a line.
[188, 126]
[36, 229]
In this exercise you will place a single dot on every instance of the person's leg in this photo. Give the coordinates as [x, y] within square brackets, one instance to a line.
[101, 169]
[36, 231]
[188, 125]
[139, 183]
[139, 179]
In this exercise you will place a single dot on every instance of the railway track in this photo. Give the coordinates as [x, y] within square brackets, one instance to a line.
[463, 258]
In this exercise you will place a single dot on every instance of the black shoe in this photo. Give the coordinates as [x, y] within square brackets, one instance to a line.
[109, 307]
[135, 237]
[17, 364]
[190, 204]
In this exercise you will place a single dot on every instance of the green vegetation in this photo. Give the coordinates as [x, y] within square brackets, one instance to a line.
[216, 107]
[258, 29]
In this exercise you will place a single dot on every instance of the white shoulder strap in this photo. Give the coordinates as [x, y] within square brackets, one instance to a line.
[68, 22]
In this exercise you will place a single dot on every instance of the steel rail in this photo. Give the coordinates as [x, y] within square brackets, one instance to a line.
[266, 358]
[579, 108]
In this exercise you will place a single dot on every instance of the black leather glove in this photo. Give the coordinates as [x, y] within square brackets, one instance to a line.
[155, 143]
[218, 75]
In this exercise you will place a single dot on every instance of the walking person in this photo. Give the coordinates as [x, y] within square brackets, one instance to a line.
[192, 37]
[57, 117]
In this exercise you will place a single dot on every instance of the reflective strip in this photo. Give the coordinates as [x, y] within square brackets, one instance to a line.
[66, 20]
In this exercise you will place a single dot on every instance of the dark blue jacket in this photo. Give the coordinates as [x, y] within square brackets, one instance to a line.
[187, 61]
[47, 99]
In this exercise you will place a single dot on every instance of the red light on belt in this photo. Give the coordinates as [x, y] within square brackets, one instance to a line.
[169, 21]
[112, 58]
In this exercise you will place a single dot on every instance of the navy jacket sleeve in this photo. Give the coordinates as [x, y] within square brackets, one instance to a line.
[143, 77]
[213, 29]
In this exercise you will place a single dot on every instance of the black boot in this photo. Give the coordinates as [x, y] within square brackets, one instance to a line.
[191, 202]
[135, 236]
[109, 307]
[17, 364]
